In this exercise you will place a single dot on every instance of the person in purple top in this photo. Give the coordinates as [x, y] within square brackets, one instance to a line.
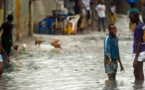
[138, 47]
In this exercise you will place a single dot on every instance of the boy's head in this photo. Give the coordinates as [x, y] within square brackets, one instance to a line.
[112, 29]
[102, 2]
[112, 4]
[134, 17]
[10, 18]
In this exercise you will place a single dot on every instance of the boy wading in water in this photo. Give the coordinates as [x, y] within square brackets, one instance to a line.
[138, 47]
[111, 53]
[7, 36]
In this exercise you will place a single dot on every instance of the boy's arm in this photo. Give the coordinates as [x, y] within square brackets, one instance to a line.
[110, 60]
[108, 51]
[2, 49]
[119, 60]
[6, 55]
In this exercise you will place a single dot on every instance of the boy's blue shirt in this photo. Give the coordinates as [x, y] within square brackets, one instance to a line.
[111, 47]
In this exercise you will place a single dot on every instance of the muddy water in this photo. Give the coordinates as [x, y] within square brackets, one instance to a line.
[78, 66]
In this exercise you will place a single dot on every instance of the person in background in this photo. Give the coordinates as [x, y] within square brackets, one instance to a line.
[111, 53]
[70, 4]
[7, 36]
[138, 46]
[132, 25]
[143, 12]
[87, 4]
[101, 8]
[83, 17]
[113, 12]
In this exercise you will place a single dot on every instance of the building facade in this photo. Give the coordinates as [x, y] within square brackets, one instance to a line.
[20, 9]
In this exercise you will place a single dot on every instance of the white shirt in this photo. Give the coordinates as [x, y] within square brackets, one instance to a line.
[101, 10]
[87, 4]
[112, 9]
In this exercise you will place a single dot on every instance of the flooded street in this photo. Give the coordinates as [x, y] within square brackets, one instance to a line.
[79, 65]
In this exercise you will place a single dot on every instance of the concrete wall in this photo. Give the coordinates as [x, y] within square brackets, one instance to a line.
[20, 10]
[1, 13]
[42, 8]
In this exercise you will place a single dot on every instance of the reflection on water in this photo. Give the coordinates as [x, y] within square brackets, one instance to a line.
[2, 85]
[138, 85]
[111, 85]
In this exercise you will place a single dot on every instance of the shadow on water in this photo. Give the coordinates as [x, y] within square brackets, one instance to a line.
[4, 80]
[9, 67]
[138, 85]
[110, 85]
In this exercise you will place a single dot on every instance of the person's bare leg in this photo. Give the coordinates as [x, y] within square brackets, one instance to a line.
[1, 68]
[138, 72]
[112, 77]
[141, 74]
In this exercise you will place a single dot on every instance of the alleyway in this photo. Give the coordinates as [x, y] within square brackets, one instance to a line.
[77, 66]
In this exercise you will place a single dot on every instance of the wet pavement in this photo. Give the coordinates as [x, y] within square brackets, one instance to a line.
[77, 66]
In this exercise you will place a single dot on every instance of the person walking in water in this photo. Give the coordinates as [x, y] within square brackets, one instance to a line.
[7, 36]
[138, 46]
[111, 53]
